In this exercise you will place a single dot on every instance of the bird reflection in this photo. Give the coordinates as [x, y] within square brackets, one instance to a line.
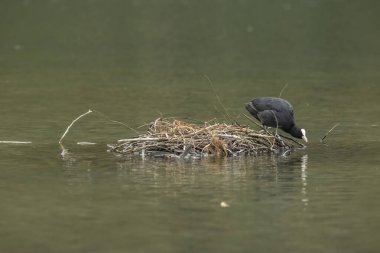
[304, 199]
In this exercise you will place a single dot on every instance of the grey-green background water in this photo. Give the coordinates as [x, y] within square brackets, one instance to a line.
[138, 60]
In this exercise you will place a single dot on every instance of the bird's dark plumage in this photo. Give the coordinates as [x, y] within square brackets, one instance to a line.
[275, 112]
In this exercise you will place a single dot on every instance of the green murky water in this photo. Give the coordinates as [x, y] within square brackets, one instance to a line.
[138, 60]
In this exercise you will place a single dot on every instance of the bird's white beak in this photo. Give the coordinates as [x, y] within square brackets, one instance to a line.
[304, 135]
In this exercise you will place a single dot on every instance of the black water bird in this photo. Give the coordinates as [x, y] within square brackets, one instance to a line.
[275, 112]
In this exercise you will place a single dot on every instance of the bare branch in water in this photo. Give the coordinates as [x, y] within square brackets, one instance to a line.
[324, 137]
[72, 123]
[102, 115]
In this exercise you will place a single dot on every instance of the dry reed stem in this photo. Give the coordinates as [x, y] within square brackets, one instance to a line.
[15, 142]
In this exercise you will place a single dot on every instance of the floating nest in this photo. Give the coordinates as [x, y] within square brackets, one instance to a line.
[176, 138]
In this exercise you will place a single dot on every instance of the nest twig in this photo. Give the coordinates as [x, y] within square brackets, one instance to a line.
[175, 138]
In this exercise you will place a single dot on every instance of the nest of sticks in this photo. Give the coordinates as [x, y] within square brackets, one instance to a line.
[175, 138]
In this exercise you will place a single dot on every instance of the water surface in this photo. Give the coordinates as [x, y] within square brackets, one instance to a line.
[139, 60]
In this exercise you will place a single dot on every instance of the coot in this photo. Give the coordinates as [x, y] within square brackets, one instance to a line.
[275, 112]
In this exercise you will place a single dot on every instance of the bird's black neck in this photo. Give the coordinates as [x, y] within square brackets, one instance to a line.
[295, 131]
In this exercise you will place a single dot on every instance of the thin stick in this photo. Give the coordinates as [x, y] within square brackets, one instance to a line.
[217, 97]
[254, 122]
[324, 137]
[186, 151]
[85, 143]
[276, 121]
[72, 123]
[283, 88]
[141, 139]
[64, 151]
[118, 122]
[15, 142]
